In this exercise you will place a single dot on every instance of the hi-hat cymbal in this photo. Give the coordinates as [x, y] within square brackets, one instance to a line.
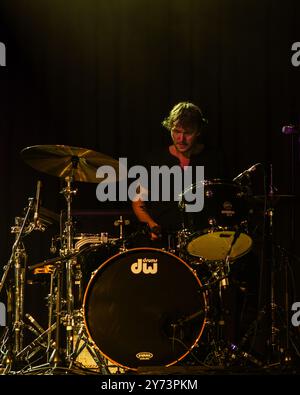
[65, 161]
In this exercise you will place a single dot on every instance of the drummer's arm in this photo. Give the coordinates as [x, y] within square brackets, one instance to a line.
[140, 210]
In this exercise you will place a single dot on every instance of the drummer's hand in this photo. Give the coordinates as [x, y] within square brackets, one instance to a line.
[155, 231]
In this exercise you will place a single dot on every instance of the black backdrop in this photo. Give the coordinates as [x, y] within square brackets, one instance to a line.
[103, 74]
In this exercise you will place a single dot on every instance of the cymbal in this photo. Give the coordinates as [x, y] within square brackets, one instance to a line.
[65, 161]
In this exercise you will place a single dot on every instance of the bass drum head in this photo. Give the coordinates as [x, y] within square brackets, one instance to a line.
[144, 307]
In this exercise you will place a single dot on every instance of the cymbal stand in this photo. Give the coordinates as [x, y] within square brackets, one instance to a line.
[50, 313]
[16, 298]
[56, 357]
[66, 250]
[19, 287]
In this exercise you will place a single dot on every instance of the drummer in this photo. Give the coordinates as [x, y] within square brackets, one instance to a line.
[186, 126]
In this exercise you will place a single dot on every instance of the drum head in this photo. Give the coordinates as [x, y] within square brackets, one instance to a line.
[144, 307]
[215, 246]
[212, 230]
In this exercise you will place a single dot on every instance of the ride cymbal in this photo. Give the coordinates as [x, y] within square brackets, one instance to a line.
[66, 161]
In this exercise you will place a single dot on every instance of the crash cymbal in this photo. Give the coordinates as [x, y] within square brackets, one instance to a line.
[65, 161]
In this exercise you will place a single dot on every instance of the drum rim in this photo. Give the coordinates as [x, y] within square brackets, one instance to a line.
[94, 274]
[213, 181]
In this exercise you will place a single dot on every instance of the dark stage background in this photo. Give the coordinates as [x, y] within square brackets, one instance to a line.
[103, 74]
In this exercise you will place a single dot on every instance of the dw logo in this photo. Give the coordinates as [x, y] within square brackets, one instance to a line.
[146, 265]
[2, 314]
[2, 54]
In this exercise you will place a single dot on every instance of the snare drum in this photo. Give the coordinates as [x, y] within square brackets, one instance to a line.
[144, 307]
[220, 229]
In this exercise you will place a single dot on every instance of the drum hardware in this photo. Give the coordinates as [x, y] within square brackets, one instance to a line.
[39, 342]
[225, 354]
[278, 339]
[225, 265]
[83, 343]
[47, 269]
[173, 244]
[246, 173]
[71, 164]
[67, 249]
[52, 261]
[222, 352]
[16, 283]
[121, 223]
[186, 319]
[278, 349]
[94, 239]
[209, 234]
[53, 247]
[278, 352]
[62, 319]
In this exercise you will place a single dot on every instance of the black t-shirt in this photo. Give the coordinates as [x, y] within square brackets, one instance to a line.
[167, 213]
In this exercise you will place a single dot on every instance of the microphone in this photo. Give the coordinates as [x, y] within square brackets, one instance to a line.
[37, 204]
[236, 235]
[290, 129]
[247, 172]
[226, 266]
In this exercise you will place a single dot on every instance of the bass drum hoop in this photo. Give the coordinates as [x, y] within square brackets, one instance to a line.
[113, 258]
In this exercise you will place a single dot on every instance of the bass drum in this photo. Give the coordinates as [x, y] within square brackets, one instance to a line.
[144, 307]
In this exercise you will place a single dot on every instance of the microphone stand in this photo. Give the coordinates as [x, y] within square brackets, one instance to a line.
[224, 283]
[272, 341]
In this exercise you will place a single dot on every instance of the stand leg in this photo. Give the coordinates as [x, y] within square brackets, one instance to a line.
[56, 355]
[83, 343]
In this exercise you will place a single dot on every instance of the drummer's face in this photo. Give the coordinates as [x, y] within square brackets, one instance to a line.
[184, 139]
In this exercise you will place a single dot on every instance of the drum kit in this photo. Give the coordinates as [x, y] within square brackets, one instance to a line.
[137, 306]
